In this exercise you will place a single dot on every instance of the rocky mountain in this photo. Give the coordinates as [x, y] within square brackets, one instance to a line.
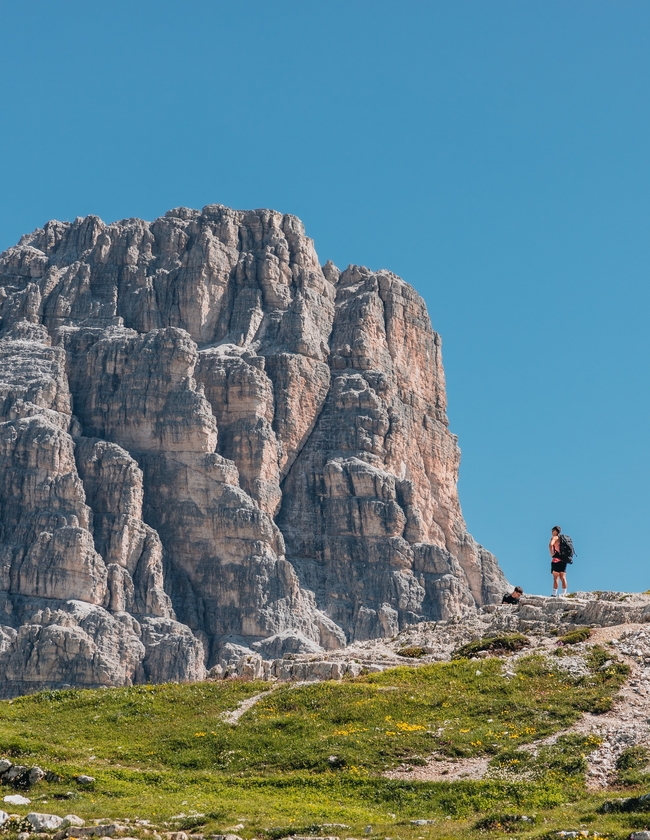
[212, 444]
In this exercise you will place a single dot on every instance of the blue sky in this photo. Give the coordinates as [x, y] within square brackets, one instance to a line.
[494, 154]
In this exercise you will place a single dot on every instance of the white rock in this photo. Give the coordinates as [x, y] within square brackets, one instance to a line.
[44, 822]
[17, 799]
[4, 816]
[73, 819]
[36, 774]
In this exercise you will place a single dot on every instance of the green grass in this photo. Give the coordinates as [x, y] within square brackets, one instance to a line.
[566, 758]
[633, 758]
[314, 754]
[633, 767]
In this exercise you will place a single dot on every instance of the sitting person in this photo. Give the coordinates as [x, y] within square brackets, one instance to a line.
[514, 597]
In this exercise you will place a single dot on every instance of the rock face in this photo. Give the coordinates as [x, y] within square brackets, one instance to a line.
[208, 441]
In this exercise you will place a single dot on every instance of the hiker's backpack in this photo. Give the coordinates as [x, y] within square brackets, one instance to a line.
[567, 550]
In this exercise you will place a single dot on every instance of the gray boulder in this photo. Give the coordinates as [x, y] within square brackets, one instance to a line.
[289, 641]
[44, 822]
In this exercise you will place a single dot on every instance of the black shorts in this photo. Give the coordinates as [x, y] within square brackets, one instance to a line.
[558, 566]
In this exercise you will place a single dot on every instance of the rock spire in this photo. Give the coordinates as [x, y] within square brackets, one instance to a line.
[210, 443]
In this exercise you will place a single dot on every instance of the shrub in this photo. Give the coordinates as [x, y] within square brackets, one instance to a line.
[279, 832]
[495, 644]
[188, 823]
[512, 759]
[632, 766]
[633, 758]
[631, 805]
[505, 822]
[576, 636]
[605, 667]
[412, 652]
[567, 756]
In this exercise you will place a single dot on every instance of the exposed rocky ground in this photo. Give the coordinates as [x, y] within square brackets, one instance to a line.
[541, 618]
[40, 824]
[209, 444]
[628, 723]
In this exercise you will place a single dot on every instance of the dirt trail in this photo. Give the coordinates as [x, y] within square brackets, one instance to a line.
[444, 770]
[233, 716]
[626, 724]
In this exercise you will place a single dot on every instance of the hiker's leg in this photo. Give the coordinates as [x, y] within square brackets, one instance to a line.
[563, 579]
[556, 576]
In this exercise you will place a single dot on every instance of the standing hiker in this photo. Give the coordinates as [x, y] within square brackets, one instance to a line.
[558, 563]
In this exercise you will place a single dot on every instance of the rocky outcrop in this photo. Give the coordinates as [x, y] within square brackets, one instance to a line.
[211, 444]
[78, 586]
[370, 511]
[543, 619]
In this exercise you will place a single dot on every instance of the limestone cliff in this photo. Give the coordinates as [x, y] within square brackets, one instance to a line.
[211, 443]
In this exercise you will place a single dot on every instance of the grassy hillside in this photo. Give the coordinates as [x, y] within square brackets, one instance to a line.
[315, 754]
